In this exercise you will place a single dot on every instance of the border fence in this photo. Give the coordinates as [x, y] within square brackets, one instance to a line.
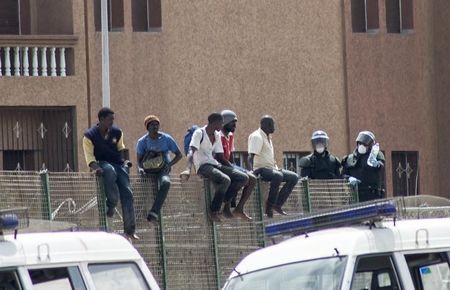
[185, 250]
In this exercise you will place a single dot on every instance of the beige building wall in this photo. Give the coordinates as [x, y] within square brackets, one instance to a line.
[52, 91]
[283, 58]
[390, 90]
[441, 61]
[297, 60]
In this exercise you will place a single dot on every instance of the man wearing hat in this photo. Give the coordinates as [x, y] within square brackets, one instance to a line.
[153, 145]
[226, 158]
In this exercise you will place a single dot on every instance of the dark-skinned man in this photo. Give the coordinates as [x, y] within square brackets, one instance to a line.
[261, 161]
[206, 143]
[103, 149]
[157, 144]
[227, 138]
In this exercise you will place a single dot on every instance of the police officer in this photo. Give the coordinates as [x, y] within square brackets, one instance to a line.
[364, 167]
[320, 164]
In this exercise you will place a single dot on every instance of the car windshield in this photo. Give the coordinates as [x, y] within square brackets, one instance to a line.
[321, 274]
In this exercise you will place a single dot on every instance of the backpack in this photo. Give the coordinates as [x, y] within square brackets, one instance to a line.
[188, 138]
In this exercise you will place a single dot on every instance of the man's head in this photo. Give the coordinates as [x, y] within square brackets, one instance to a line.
[151, 123]
[106, 117]
[215, 120]
[319, 141]
[267, 124]
[364, 141]
[229, 120]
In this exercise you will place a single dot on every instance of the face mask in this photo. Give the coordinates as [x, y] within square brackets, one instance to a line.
[362, 149]
[320, 149]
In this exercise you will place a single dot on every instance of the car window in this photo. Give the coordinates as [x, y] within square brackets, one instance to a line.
[117, 276]
[9, 280]
[429, 271]
[375, 273]
[63, 278]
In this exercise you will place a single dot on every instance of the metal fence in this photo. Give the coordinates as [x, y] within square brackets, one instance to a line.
[185, 250]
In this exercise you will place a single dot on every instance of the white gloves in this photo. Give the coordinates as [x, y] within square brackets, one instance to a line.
[372, 160]
[353, 180]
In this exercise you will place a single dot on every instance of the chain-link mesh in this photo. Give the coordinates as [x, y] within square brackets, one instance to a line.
[74, 199]
[328, 194]
[23, 189]
[185, 250]
[188, 235]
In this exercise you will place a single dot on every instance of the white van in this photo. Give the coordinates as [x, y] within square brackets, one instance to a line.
[383, 255]
[71, 260]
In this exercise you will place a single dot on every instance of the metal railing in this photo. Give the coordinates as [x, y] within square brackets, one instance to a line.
[185, 250]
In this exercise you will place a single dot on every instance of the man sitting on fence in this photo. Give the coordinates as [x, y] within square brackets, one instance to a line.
[103, 149]
[227, 180]
[261, 160]
[226, 158]
[153, 156]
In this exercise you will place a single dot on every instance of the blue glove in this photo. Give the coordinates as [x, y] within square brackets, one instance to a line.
[372, 160]
[353, 181]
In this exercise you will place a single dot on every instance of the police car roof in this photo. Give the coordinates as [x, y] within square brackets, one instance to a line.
[65, 247]
[352, 240]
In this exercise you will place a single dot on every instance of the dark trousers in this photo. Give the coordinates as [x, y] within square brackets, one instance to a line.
[278, 196]
[163, 188]
[117, 186]
[227, 182]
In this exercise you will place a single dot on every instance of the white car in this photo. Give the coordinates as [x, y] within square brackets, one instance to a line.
[71, 260]
[385, 255]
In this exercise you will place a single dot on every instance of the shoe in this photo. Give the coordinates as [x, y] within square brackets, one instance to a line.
[110, 212]
[269, 210]
[132, 237]
[152, 217]
[214, 216]
[240, 213]
[279, 210]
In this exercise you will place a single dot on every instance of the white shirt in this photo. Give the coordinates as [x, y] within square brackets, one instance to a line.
[205, 149]
[261, 145]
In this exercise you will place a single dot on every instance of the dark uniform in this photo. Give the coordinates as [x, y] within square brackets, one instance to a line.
[320, 166]
[371, 186]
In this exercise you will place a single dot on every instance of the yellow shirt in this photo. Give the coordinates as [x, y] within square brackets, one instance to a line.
[88, 148]
[260, 144]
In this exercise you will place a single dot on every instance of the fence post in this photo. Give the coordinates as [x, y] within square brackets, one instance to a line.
[207, 186]
[354, 192]
[46, 201]
[101, 204]
[260, 198]
[307, 204]
[162, 238]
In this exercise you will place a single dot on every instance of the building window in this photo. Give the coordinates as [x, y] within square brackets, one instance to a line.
[399, 15]
[405, 173]
[291, 160]
[365, 15]
[24, 17]
[240, 158]
[146, 15]
[115, 15]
